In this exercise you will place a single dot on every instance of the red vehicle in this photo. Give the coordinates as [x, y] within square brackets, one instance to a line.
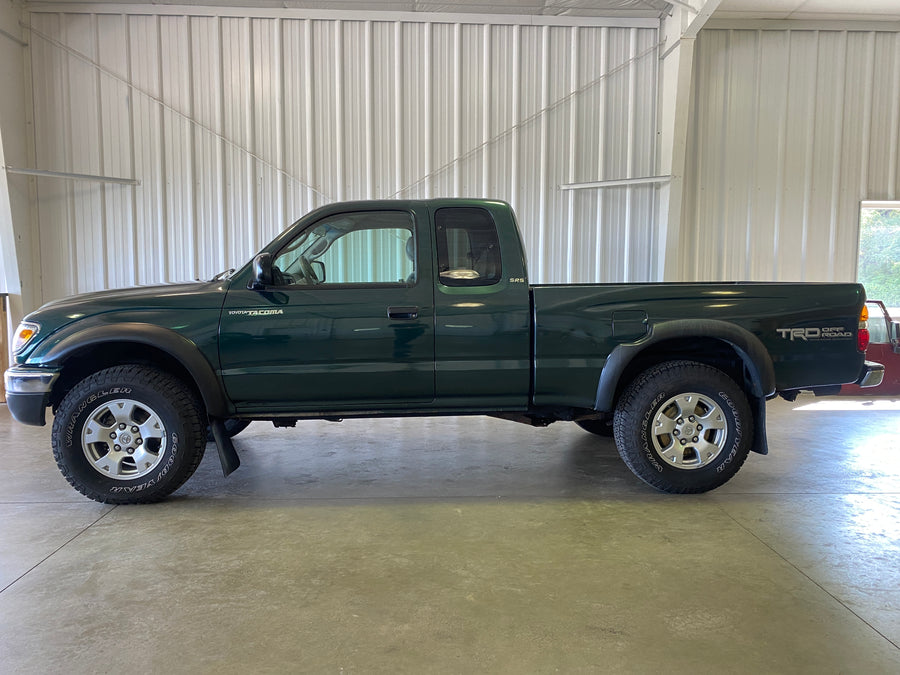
[884, 347]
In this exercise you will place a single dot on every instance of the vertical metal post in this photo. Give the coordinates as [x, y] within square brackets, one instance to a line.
[4, 345]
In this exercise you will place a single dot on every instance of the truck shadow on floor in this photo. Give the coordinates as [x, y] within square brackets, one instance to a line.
[581, 466]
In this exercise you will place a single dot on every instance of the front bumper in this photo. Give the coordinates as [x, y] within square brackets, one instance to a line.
[872, 374]
[28, 393]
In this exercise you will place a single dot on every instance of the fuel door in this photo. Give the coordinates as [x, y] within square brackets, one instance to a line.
[629, 324]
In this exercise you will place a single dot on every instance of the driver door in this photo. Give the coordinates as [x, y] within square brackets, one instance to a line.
[345, 324]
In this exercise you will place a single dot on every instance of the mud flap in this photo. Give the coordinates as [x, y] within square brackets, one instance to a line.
[760, 441]
[227, 454]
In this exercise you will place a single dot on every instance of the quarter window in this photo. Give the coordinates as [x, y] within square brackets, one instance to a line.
[467, 246]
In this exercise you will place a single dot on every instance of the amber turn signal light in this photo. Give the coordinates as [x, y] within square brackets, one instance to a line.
[23, 336]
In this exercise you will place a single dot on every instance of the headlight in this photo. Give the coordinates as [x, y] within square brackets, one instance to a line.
[24, 334]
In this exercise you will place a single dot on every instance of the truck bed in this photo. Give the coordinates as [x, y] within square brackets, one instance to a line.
[808, 331]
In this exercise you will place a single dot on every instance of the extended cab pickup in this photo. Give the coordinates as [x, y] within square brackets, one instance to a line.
[400, 308]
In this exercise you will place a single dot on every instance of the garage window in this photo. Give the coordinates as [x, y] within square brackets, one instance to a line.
[879, 252]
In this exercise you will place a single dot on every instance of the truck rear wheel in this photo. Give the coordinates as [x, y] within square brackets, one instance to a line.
[683, 427]
[128, 435]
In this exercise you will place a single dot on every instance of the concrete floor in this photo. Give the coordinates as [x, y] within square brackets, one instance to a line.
[460, 546]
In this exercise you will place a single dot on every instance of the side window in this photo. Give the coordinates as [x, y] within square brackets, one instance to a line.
[467, 246]
[372, 247]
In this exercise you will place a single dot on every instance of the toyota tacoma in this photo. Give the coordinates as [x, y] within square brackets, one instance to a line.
[405, 308]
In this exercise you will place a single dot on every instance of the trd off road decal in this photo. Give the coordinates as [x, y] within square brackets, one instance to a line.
[811, 334]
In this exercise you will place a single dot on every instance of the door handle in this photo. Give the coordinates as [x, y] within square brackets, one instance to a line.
[403, 312]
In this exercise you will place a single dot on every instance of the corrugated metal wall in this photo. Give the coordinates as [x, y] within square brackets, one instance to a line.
[236, 126]
[790, 130]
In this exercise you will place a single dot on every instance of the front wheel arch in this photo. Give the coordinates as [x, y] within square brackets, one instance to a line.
[108, 345]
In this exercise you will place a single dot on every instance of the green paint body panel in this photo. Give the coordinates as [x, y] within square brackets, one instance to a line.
[578, 327]
[504, 347]
[189, 310]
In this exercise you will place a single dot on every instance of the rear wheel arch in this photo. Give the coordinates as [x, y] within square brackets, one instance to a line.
[729, 348]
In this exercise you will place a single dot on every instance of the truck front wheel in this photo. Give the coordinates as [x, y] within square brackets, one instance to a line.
[683, 427]
[128, 435]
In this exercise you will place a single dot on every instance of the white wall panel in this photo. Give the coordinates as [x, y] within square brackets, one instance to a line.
[236, 126]
[17, 241]
[790, 130]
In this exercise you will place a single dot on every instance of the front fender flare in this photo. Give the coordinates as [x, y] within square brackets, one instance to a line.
[174, 344]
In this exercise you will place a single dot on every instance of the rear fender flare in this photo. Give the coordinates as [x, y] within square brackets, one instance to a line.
[747, 347]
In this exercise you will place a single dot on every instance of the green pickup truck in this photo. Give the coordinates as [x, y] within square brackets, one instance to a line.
[405, 308]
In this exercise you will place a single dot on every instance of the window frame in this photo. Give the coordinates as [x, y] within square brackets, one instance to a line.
[359, 285]
[441, 246]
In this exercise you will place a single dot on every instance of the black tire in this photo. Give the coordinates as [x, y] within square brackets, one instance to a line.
[149, 435]
[602, 427]
[232, 427]
[683, 427]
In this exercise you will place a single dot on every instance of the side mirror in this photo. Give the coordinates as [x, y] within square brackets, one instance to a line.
[262, 272]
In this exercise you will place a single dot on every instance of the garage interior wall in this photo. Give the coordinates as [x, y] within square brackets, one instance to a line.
[789, 131]
[237, 125]
[18, 273]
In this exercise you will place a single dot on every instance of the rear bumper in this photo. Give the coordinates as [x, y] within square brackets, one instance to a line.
[872, 374]
[28, 393]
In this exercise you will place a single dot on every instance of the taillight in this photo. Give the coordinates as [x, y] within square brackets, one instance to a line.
[862, 339]
[862, 334]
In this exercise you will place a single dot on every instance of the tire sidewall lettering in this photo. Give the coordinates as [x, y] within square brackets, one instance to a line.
[162, 473]
[645, 430]
[93, 398]
[735, 431]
